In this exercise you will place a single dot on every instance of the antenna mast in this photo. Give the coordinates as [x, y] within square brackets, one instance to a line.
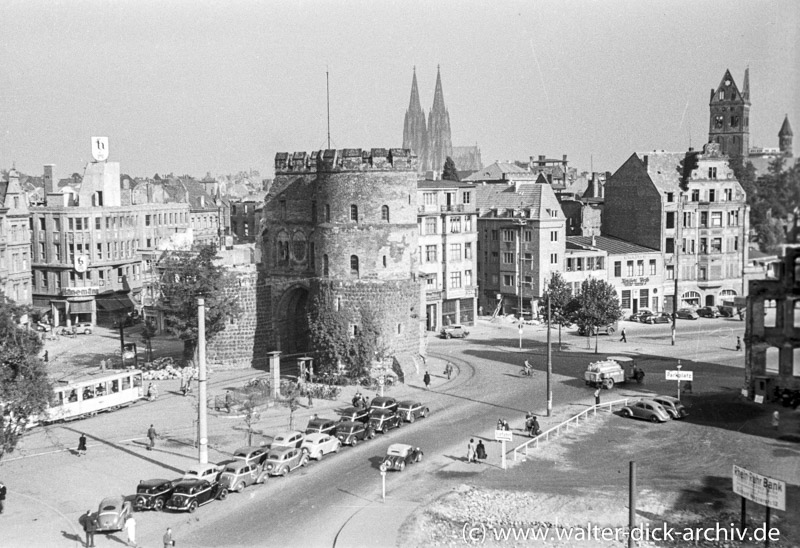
[328, 98]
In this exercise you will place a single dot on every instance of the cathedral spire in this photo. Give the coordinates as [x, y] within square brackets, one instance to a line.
[440, 145]
[415, 134]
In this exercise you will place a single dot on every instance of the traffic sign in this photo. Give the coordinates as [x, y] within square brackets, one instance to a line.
[674, 375]
[503, 435]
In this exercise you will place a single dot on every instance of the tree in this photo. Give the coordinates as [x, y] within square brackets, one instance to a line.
[25, 390]
[187, 276]
[559, 295]
[252, 414]
[148, 332]
[595, 306]
[449, 172]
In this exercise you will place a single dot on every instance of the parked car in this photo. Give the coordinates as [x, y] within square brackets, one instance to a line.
[208, 471]
[189, 494]
[288, 439]
[708, 312]
[282, 460]
[673, 405]
[398, 455]
[83, 327]
[454, 332]
[239, 474]
[412, 410]
[153, 494]
[43, 327]
[350, 432]
[609, 329]
[318, 445]
[112, 513]
[661, 317]
[354, 414]
[637, 316]
[646, 409]
[383, 402]
[686, 314]
[383, 420]
[321, 426]
[727, 311]
[252, 454]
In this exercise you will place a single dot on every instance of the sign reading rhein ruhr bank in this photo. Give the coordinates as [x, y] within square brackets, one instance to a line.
[761, 489]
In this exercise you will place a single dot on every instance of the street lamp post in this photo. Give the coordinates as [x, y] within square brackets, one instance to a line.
[549, 361]
[521, 223]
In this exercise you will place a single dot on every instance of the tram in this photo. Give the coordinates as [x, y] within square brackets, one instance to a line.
[107, 392]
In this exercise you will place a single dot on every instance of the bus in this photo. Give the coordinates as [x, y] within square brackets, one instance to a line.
[83, 398]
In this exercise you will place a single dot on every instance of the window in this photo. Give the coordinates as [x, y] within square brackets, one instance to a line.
[324, 265]
[71, 223]
[354, 265]
[455, 252]
[468, 278]
[670, 272]
[508, 258]
[468, 250]
[529, 235]
[468, 223]
[716, 245]
[430, 253]
[736, 243]
[688, 219]
[466, 197]
[734, 121]
[429, 198]
[722, 95]
[617, 269]
[733, 218]
[430, 225]
[704, 219]
[495, 257]
[455, 279]
[455, 224]
[640, 268]
[57, 225]
[629, 268]
[652, 267]
[695, 195]
[703, 245]
[626, 298]
[728, 194]
[99, 252]
[494, 235]
[716, 218]
[508, 280]
[327, 213]
[354, 213]
[554, 258]
[385, 213]
[701, 273]
[712, 174]
[431, 281]
[554, 235]
[313, 211]
[670, 196]
[670, 219]
[508, 235]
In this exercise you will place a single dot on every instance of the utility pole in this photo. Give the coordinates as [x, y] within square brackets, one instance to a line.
[549, 361]
[202, 418]
[519, 276]
[678, 223]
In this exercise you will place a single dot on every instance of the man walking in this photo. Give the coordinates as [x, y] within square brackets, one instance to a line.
[89, 527]
[623, 338]
[738, 343]
[597, 397]
[471, 450]
[2, 496]
[130, 530]
[151, 434]
[448, 370]
[427, 380]
[169, 542]
[82, 445]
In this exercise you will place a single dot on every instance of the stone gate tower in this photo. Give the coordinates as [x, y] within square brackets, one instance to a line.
[729, 121]
[340, 230]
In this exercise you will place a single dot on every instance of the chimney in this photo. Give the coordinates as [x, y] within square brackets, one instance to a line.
[595, 186]
[564, 159]
[594, 240]
[49, 185]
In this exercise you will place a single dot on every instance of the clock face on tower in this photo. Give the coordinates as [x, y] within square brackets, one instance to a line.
[727, 82]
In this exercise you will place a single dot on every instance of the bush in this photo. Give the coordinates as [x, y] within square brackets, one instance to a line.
[320, 391]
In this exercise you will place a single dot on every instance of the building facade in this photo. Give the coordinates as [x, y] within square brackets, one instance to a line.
[772, 332]
[690, 207]
[15, 241]
[448, 243]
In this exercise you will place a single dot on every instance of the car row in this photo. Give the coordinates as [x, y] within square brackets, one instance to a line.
[647, 316]
[656, 409]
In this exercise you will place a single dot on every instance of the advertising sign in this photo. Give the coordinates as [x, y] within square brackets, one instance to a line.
[761, 489]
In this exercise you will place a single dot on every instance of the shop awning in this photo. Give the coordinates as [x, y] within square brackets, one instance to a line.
[114, 304]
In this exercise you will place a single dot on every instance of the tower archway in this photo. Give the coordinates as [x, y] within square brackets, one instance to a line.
[293, 320]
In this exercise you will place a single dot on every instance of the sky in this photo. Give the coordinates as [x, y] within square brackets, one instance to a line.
[196, 87]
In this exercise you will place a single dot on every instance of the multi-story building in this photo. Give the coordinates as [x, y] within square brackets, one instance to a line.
[448, 242]
[690, 207]
[86, 246]
[521, 240]
[15, 241]
[772, 332]
[246, 219]
[583, 261]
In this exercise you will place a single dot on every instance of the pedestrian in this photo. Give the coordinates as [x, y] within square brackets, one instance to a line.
[82, 445]
[623, 338]
[471, 450]
[46, 356]
[2, 496]
[776, 419]
[168, 540]
[228, 401]
[427, 379]
[687, 387]
[480, 451]
[506, 426]
[448, 370]
[151, 434]
[89, 527]
[738, 343]
[130, 530]
[310, 400]
[597, 396]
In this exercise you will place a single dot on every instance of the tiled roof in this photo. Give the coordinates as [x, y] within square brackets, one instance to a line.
[444, 184]
[613, 246]
[495, 172]
[497, 196]
[663, 169]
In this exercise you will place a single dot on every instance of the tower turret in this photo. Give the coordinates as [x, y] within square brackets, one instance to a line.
[729, 121]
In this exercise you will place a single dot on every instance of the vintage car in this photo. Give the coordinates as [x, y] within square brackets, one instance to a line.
[321, 426]
[686, 314]
[400, 454]
[708, 312]
[43, 327]
[191, 493]
[282, 460]
[208, 471]
[383, 402]
[608, 329]
[637, 316]
[354, 414]
[252, 454]
[350, 433]
[646, 409]
[85, 328]
[673, 406]
[454, 332]
[112, 513]
[317, 445]
[383, 420]
[288, 439]
[239, 474]
[412, 410]
[659, 317]
[153, 494]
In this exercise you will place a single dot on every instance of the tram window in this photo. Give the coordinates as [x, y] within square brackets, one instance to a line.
[126, 383]
[100, 389]
[137, 380]
[73, 395]
[115, 386]
[59, 399]
[88, 392]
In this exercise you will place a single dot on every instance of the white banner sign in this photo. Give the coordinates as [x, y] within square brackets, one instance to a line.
[503, 435]
[675, 375]
[761, 489]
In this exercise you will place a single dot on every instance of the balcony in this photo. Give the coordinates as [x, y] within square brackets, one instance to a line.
[452, 208]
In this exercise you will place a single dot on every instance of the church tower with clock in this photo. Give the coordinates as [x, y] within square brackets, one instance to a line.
[729, 123]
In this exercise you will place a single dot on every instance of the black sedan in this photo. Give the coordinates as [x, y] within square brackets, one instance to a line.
[412, 410]
[153, 494]
[191, 493]
[350, 433]
[708, 312]
[383, 403]
[383, 420]
[661, 317]
[354, 414]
